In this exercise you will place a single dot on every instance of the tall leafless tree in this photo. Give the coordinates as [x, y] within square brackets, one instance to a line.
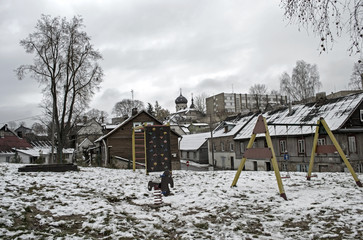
[356, 79]
[66, 65]
[303, 83]
[200, 102]
[329, 19]
[259, 92]
[96, 114]
[125, 106]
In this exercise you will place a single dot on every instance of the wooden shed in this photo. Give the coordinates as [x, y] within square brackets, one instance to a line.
[116, 146]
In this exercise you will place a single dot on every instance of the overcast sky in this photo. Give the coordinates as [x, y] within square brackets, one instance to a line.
[156, 47]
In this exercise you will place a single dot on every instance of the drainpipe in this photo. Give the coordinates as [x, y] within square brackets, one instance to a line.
[106, 151]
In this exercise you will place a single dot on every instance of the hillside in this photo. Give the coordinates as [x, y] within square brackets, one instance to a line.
[100, 203]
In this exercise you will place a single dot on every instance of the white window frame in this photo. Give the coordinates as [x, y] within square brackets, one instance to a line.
[148, 123]
[222, 146]
[283, 147]
[136, 124]
[321, 141]
[231, 147]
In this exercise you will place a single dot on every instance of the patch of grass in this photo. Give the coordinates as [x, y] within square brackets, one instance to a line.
[204, 225]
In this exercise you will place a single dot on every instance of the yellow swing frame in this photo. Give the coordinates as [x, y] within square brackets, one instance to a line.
[261, 153]
[321, 126]
[257, 153]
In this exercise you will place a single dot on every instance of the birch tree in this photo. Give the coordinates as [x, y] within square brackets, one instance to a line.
[356, 79]
[328, 19]
[303, 83]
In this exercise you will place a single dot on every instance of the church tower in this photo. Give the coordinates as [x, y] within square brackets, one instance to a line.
[181, 102]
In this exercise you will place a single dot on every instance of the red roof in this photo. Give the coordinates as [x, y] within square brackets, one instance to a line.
[7, 143]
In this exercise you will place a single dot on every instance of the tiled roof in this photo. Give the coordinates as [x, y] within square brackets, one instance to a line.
[7, 143]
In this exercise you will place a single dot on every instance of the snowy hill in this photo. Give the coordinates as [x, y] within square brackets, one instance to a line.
[99, 203]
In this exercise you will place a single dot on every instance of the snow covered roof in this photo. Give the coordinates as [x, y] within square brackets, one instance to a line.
[200, 124]
[334, 111]
[233, 125]
[36, 151]
[193, 141]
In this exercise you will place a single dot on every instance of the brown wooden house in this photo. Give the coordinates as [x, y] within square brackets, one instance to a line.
[115, 147]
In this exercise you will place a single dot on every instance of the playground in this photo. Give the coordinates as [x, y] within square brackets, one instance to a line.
[101, 203]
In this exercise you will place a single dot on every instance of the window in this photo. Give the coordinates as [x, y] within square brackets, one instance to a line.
[321, 141]
[242, 147]
[222, 147]
[231, 147]
[136, 124]
[284, 167]
[195, 155]
[283, 148]
[301, 145]
[188, 155]
[352, 144]
[360, 167]
[302, 167]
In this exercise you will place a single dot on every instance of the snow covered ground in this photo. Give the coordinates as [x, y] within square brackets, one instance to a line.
[100, 203]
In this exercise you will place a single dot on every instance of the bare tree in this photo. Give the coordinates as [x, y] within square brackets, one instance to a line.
[66, 65]
[125, 106]
[39, 129]
[356, 79]
[274, 92]
[12, 125]
[96, 114]
[200, 103]
[303, 83]
[328, 19]
[259, 92]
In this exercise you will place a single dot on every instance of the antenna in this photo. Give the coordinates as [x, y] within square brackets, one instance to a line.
[132, 97]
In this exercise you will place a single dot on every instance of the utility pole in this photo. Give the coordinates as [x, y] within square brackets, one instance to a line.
[211, 139]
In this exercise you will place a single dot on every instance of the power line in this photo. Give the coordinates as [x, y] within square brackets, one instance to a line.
[32, 117]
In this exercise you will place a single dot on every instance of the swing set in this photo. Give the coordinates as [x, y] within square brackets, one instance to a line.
[269, 153]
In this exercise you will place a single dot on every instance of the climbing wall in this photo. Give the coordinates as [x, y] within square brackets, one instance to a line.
[158, 148]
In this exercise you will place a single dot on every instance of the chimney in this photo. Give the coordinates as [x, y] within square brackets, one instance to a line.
[320, 97]
[134, 111]
[226, 129]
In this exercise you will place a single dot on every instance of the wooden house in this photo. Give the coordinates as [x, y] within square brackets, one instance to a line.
[115, 148]
[293, 144]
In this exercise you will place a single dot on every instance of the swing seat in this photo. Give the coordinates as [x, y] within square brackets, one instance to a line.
[313, 175]
[287, 176]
